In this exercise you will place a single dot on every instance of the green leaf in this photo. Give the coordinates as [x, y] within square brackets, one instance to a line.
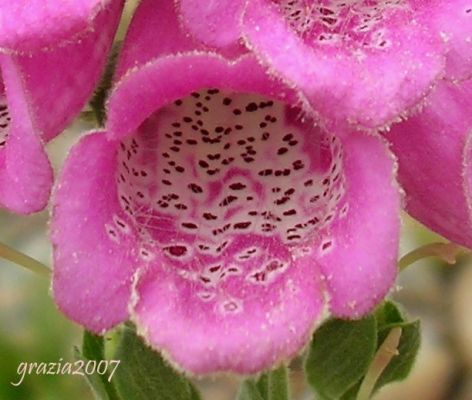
[351, 394]
[249, 391]
[401, 365]
[388, 313]
[388, 317]
[339, 356]
[144, 375]
[93, 349]
[272, 385]
[93, 346]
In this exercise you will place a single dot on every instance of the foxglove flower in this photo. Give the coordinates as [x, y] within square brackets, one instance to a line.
[361, 63]
[51, 56]
[434, 149]
[216, 215]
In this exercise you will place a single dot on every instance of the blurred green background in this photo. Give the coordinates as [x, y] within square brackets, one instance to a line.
[31, 327]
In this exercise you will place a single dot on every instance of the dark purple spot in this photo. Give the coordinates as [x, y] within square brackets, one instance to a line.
[228, 200]
[176, 251]
[209, 216]
[237, 186]
[290, 212]
[326, 245]
[242, 225]
[203, 164]
[189, 225]
[215, 268]
[195, 188]
[251, 107]
[265, 172]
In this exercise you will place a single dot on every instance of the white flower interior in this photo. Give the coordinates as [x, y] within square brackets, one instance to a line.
[226, 184]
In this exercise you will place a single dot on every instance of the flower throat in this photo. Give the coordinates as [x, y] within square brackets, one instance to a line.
[211, 171]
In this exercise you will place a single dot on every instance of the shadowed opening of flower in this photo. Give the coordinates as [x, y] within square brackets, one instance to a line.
[228, 187]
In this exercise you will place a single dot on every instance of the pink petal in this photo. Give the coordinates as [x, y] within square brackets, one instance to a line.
[216, 23]
[274, 323]
[25, 172]
[43, 91]
[166, 79]
[453, 21]
[434, 153]
[365, 86]
[73, 71]
[155, 31]
[94, 248]
[26, 25]
[360, 264]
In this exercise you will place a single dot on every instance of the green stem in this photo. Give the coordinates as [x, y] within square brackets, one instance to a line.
[18, 258]
[448, 252]
[382, 358]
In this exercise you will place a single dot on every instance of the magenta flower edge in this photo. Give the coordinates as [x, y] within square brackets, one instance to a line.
[433, 148]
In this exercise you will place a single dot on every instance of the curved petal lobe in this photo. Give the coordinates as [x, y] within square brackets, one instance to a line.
[155, 31]
[27, 25]
[59, 81]
[25, 173]
[365, 79]
[216, 23]
[93, 245]
[433, 149]
[453, 21]
[359, 266]
[248, 330]
[166, 79]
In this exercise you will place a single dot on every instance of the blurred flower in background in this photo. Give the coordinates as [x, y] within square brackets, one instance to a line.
[44, 83]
